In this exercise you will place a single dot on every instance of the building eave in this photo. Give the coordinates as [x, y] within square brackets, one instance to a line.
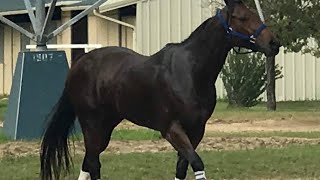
[17, 12]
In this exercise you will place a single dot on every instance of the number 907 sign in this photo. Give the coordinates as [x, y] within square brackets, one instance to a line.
[43, 57]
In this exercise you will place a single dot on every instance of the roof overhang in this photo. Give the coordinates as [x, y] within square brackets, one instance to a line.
[115, 4]
[59, 3]
[107, 6]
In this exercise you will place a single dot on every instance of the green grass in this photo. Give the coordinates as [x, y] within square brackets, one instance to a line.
[135, 134]
[3, 108]
[3, 138]
[291, 162]
[127, 135]
[301, 110]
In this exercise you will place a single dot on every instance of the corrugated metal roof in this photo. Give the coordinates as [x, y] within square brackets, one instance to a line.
[107, 6]
[90, 2]
[18, 5]
[115, 4]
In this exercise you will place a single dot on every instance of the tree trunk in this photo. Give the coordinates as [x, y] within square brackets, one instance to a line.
[271, 84]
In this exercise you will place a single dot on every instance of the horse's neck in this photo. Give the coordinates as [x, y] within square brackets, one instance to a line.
[209, 48]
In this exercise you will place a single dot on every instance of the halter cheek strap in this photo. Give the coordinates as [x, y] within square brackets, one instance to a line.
[251, 39]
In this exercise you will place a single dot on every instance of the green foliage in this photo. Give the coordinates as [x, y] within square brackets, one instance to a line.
[295, 22]
[244, 78]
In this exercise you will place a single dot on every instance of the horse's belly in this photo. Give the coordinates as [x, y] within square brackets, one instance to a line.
[145, 114]
[144, 119]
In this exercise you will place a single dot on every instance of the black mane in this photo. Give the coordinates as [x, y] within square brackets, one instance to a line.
[199, 29]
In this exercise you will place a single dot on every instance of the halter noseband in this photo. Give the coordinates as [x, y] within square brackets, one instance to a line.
[251, 39]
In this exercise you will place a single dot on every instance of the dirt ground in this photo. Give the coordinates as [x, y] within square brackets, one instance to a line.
[118, 147]
[218, 125]
[266, 125]
[208, 143]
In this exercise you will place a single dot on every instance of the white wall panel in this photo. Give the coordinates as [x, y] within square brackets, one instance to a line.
[164, 21]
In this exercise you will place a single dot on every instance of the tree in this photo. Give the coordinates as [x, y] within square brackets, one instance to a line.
[271, 83]
[295, 22]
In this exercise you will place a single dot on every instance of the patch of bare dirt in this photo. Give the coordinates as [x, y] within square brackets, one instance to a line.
[266, 125]
[118, 147]
[219, 125]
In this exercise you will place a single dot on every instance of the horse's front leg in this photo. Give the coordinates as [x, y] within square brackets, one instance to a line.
[178, 138]
[195, 135]
[181, 168]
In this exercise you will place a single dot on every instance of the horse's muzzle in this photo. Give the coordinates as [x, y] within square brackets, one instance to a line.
[272, 48]
[275, 46]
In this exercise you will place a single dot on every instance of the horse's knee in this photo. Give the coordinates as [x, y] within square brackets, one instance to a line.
[177, 136]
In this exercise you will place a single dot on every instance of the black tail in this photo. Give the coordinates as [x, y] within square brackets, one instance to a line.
[54, 155]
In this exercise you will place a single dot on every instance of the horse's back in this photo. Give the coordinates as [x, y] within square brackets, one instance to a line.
[96, 74]
[108, 59]
[113, 55]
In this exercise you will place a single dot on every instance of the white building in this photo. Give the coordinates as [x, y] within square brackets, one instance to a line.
[157, 22]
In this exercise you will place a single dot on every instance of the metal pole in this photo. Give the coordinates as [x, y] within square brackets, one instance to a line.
[17, 27]
[40, 16]
[48, 17]
[96, 13]
[75, 19]
[259, 10]
[31, 14]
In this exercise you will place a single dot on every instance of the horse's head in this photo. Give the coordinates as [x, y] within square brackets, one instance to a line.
[246, 29]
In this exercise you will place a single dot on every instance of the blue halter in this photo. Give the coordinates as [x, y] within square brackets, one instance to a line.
[251, 39]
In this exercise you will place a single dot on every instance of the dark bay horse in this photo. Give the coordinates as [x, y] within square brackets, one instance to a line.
[171, 91]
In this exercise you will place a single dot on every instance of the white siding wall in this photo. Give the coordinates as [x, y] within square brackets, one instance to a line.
[301, 79]
[162, 21]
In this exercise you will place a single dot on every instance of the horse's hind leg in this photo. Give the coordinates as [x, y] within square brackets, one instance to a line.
[181, 142]
[97, 129]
